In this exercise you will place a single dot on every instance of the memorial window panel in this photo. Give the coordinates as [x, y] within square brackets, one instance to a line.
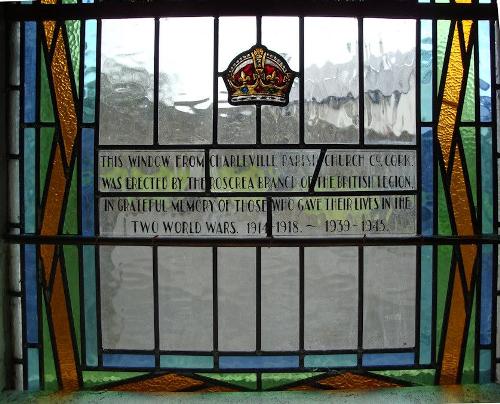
[326, 217]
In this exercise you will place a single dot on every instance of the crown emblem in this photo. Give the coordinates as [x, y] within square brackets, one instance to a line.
[258, 76]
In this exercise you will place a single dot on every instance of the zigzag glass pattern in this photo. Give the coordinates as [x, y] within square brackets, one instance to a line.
[410, 299]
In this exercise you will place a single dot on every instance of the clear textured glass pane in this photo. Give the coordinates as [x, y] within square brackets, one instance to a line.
[14, 191]
[17, 335]
[127, 66]
[389, 297]
[18, 379]
[236, 293]
[186, 80]
[389, 73]
[14, 122]
[235, 124]
[15, 268]
[89, 91]
[185, 298]
[281, 124]
[331, 80]
[280, 299]
[127, 297]
[331, 298]
[14, 48]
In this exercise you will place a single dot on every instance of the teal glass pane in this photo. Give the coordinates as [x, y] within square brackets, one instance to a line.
[33, 369]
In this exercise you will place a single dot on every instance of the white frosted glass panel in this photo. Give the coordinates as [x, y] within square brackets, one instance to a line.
[127, 81]
[281, 124]
[14, 122]
[15, 269]
[235, 124]
[389, 73]
[17, 335]
[331, 298]
[14, 42]
[186, 80]
[389, 297]
[127, 297]
[331, 87]
[14, 191]
[185, 298]
[236, 293]
[280, 299]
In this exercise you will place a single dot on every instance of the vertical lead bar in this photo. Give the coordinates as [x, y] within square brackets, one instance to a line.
[301, 304]
[156, 81]
[156, 308]
[361, 67]
[361, 264]
[215, 109]
[215, 309]
[258, 292]
[301, 81]
[258, 108]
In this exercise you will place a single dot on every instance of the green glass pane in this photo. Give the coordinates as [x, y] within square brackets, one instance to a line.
[443, 30]
[71, 219]
[469, 142]
[469, 109]
[444, 227]
[443, 276]
[69, 1]
[92, 379]
[46, 137]
[72, 274]
[245, 380]
[417, 377]
[468, 370]
[49, 368]
[46, 109]
[274, 380]
[73, 29]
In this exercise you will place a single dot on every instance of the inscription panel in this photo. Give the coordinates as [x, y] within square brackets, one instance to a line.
[257, 193]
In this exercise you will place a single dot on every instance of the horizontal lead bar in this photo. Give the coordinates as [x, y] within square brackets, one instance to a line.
[367, 8]
[264, 241]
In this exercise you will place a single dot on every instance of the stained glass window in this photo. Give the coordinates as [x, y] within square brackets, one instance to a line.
[163, 239]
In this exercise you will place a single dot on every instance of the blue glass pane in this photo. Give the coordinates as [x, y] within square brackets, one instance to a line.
[33, 369]
[389, 359]
[484, 70]
[258, 362]
[426, 71]
[88, 182]
[128, 360]
[29, 71]
[89, 80]
[29, 180]
[186, 362]
[90, 305]
[425, 305]
[31, 293]
[427, 182]
[486, 295]
[330, 361]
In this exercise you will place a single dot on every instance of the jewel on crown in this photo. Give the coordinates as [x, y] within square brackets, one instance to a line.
[258, 76]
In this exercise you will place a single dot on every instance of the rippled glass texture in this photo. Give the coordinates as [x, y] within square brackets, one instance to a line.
[127, 82]
[331, 86]
[185, 95]
[331, 298]
[235, 124]
[185, 298]
[389, 297]
[389, 81]
[126, 279]
[281, 124]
